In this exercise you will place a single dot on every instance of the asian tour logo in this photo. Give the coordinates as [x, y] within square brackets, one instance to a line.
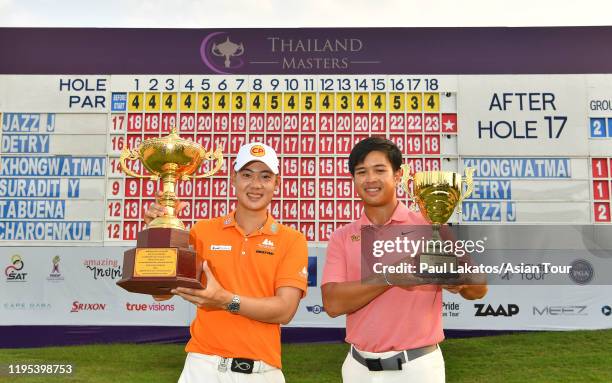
[55, 274]
[12, 271]
[221, 54]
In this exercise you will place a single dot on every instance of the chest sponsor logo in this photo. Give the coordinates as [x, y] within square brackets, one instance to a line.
[221, 247]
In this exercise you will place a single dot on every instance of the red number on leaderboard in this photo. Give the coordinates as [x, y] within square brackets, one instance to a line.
[220, 141]
[308, 228]
[290, 143]
[326, 143]
[397, 122]
[326, 166]
[113, 231]
[307, 188]
[399, 140]
[344, 143]
[308, 144]
[600, 190]
[114, 209]
[134, 123]
[274, 141]
[149, 188]
[326, 122]
[238, 122]
[204, 140]
[326, 209]
[256, 122]
[344, 188]
[219, 187]
[201, 209]
[344, 210]
[414, 145]
[307, 166]
[221, 121]
[602, 211]
[307, 210]
[600, 167]
[432, 144]
[432, 164]
[325, 230]
[291, 122]
[361, 122]
[131, 208]
[118, 123]
[204, 123]
[132, 187]
[273, 123]
[117, 143]
[290, 188]
[129, 231]
[187, 122]
[219, 208]
[290, 209]
[307, 123]
[327, 188]
[290, 166]
[202, 187]
[342, 167]
[343, 122]
[432, 123]
[378, 123]
[168, 121]
[236, 141]
[151, 123]
[414, 123]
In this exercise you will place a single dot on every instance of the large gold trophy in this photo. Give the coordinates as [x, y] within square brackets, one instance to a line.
[437, 194]
[162, 259]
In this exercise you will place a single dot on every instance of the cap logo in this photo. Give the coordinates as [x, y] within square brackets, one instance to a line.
[258, 151]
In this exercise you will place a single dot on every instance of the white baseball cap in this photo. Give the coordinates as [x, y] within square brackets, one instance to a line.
[256, 151]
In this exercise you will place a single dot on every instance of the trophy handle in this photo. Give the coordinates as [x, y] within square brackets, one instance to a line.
[469, 181]
[218, 156]
[215, 50]
[127, 154]
[407, 176]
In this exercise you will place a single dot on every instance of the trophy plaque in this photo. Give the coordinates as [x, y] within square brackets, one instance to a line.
[437, 194]
[163, 259]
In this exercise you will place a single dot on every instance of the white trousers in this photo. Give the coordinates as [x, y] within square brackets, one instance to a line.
[425, 369]
[200, 368]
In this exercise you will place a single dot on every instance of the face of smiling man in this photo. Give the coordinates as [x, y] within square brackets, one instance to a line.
[255, 184]
[375, 180]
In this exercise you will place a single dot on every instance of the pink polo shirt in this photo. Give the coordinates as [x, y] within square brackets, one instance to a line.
[397, 319]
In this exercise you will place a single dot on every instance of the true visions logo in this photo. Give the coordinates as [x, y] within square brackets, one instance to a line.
[149, 307]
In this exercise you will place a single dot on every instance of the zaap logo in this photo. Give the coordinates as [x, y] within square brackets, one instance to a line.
[316, 309]
[149, 307]
[220, 54]
[483, 310]
[258, 151]
[12, 271]
[78, 307]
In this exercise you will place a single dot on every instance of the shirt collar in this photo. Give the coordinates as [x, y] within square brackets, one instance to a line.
[270, 227]
[400, 214]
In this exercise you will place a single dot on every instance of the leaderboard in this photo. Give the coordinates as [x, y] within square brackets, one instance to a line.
[541, 144]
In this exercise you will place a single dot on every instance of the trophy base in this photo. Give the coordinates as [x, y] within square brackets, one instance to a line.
[161, 262]
[437, 268]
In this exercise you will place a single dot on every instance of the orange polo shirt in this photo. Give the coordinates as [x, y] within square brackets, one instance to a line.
[253, 265]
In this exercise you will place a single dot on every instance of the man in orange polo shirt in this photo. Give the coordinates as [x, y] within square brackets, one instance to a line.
[256, 274]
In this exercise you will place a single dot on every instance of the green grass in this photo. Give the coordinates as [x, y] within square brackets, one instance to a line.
[579, 356]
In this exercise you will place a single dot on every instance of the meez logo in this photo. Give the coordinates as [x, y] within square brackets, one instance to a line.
[483, 310]
[258, 151]
[78, 307]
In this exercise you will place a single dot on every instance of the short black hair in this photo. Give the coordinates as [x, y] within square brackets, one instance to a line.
[372, 144]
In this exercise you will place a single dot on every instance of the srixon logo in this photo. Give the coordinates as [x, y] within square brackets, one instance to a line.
[483, 310]
[78, 307]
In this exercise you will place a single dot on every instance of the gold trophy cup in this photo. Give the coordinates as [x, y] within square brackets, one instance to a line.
[437, 194]
[162, 259]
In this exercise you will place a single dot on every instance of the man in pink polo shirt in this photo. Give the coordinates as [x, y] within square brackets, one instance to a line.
[394, 331]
